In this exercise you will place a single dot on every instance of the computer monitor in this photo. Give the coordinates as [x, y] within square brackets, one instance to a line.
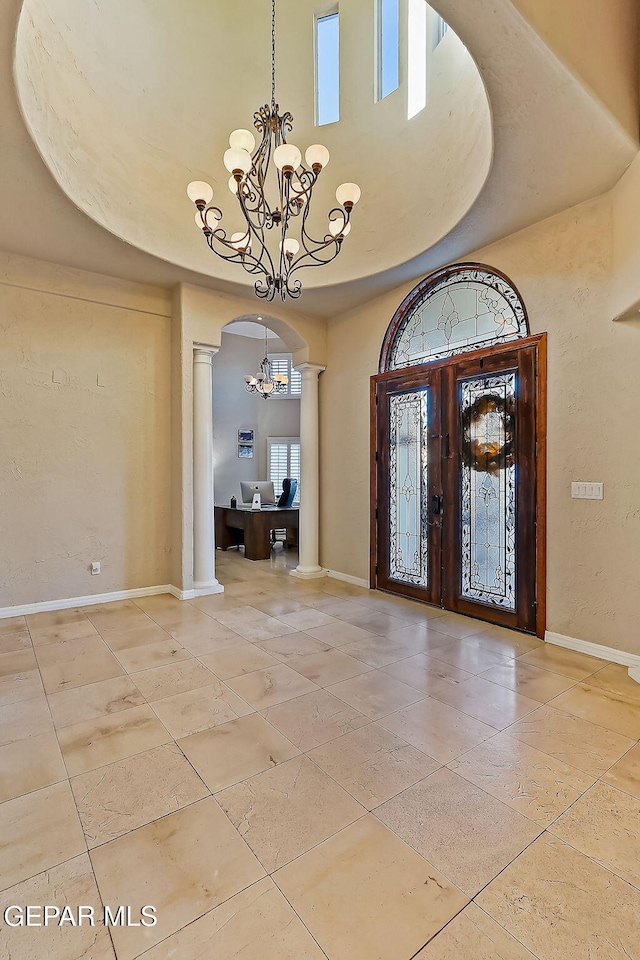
[263, 487]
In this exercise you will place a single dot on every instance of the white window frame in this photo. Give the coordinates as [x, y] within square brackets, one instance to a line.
[289, 441]
[440, 27]
[329, 11]
[425, 30]
[417, 56]
[379, 93]
[291, 373]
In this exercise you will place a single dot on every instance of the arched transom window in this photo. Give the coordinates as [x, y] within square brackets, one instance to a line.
[460, 308]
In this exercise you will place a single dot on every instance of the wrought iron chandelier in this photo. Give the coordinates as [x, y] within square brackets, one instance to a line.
[274, 203]
[265, 382]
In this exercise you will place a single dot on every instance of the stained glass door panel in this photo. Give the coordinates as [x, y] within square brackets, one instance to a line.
[408, 488]
[488, 489]
[408, 533]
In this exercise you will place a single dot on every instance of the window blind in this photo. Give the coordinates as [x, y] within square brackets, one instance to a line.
[283, 459]
[281, 363]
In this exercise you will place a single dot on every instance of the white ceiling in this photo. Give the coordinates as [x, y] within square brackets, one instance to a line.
[247, 328]
[555, 144]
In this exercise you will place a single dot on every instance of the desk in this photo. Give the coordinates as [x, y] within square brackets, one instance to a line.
[236, 525]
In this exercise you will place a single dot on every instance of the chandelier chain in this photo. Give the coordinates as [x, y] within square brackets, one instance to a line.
[273, 55]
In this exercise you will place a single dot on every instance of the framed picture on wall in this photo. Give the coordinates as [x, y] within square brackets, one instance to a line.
[245, 451]
[245, 436]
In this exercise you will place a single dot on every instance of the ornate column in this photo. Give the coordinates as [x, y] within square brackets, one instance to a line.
[204, 575]
[308, 567]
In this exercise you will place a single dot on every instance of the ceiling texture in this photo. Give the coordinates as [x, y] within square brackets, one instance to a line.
[108, 109]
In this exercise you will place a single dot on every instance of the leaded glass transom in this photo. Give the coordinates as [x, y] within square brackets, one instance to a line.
[461, 308]
[408, 492]
[488, 489]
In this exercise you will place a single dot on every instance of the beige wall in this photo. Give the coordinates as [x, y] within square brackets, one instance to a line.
[563, 270]
[598, 40]
[85, 433]
[625, 294]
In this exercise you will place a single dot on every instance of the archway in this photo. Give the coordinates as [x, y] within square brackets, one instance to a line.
[256, 443]
[201, 316]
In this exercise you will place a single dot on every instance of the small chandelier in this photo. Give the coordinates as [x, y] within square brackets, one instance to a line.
[273, 203]
[265, 383]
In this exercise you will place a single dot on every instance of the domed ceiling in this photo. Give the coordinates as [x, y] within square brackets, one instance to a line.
[128, 102]
[114, 106]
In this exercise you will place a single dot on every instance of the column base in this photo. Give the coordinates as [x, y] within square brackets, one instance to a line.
[308, 573]
[205, 589]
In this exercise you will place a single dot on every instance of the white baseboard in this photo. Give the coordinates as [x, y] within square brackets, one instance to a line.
[44, 605]
[347, 578]
[318, 574]
[181, 594]
[204, 590]
[596, 650]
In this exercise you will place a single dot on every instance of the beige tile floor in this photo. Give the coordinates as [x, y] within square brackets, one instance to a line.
[299, 771]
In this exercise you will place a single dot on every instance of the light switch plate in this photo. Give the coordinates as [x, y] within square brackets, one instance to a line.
[583, 490]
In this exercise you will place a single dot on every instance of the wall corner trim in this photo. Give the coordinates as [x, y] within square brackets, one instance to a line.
[42, 606]
[631, 660]
[347, 578]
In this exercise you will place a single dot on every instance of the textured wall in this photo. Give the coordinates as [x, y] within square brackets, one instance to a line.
[563, 270]
[625, 296]
[598, 40]
[85, 438]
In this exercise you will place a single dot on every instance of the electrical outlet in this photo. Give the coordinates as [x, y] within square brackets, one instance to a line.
[95, 568]
[580, 490]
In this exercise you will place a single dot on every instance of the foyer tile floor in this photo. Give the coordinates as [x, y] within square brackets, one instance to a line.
[299, 771]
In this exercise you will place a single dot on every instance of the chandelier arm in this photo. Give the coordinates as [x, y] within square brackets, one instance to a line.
[264, 291]
[279, 139]
[236, 257]
[258, 233]
[262, 157]
[292, 290]
[250, 192]
[305, 237]
[308, 179]
[311, 245]
[280, 124]
[284, 259]
[308, 260]
[249, 262]
[203, 211]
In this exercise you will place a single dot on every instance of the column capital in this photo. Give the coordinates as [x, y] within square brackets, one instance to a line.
[203, 353]
[310, 371]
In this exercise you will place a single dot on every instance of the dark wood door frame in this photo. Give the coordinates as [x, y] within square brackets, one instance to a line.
[416, 376]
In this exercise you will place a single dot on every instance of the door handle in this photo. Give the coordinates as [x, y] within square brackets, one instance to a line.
[436, 504]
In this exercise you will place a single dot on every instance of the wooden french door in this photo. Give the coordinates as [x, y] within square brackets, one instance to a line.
[459, 483]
